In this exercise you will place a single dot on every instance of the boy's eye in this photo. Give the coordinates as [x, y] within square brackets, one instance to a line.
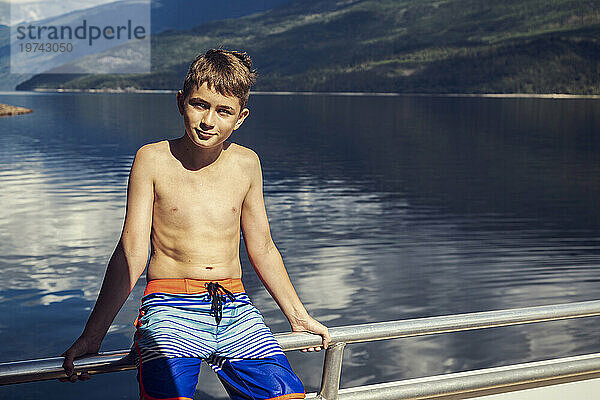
[224, 111]
[197, 104]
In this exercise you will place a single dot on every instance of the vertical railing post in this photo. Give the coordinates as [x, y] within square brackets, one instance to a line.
[332, 371]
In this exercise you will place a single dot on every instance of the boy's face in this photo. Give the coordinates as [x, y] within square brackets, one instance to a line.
[209, 117]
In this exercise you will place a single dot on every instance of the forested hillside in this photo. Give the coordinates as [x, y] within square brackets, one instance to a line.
[442, 46]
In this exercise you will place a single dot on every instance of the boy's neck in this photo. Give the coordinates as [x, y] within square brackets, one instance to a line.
[195, 157]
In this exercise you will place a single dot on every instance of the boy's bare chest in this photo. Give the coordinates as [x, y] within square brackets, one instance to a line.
[210, 200]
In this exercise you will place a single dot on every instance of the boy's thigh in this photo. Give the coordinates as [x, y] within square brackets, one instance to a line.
[259, 379]
[245, 335]
[168, 378]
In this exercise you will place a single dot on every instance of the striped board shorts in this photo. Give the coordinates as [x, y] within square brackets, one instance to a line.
[184, 321]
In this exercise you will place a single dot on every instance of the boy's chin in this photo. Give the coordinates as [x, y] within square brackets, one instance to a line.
[207, 144]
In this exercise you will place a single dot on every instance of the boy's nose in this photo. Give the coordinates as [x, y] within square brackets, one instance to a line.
[207, 121]
[205, 127]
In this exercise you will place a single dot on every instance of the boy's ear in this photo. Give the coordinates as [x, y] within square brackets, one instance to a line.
[243, 114]
[180, 101]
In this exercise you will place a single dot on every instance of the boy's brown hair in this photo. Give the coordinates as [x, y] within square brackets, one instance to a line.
[227, 72]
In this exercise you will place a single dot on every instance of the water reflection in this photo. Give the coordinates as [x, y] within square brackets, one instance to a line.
[383, 208]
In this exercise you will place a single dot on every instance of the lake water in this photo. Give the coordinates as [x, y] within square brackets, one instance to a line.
[384, 208]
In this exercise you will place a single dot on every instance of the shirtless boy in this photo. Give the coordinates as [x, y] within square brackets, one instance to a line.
[190, 197]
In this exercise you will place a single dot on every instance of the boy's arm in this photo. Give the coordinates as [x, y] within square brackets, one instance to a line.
[267, 261]
[126, 264]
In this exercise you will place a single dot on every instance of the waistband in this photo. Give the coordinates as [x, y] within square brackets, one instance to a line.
[191, 286]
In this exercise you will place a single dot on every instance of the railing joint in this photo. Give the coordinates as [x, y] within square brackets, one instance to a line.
[332, 371]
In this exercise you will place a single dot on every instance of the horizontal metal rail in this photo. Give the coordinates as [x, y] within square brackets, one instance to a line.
[482, 382]
[51, 368]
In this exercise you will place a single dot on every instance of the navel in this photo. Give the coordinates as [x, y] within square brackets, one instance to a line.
[174, 209]
[233, 209]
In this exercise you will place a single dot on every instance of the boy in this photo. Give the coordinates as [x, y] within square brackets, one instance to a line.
[190, 197]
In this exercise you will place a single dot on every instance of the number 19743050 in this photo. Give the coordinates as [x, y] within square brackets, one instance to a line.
[45, 47]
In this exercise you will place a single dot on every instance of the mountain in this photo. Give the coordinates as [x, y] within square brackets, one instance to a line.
[165, 15]
[185, 14]
[466, 46]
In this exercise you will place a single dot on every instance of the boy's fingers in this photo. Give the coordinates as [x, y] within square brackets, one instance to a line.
[84, 376]
[326, 338]
[68, 365]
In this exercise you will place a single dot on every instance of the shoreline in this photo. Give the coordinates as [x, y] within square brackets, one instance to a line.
[8, 110]
[292, 93]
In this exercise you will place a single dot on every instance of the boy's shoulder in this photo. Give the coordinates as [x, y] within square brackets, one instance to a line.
[246, 161]
[153, 149]
[150, 154]
[243, 155]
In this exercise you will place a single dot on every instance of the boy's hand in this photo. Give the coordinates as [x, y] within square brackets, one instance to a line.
[309, 324]
[81, 347]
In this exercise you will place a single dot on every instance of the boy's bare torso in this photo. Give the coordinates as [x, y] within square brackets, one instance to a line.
[196, 214]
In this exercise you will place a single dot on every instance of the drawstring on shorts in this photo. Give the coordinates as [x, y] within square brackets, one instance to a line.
[218, 295]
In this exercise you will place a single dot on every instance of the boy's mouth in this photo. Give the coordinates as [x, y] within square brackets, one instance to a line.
[203, 134]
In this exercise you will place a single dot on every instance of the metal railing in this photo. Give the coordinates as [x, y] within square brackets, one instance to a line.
[459, 385]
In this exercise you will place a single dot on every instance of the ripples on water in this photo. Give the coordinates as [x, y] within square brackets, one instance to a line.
[383, 208]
